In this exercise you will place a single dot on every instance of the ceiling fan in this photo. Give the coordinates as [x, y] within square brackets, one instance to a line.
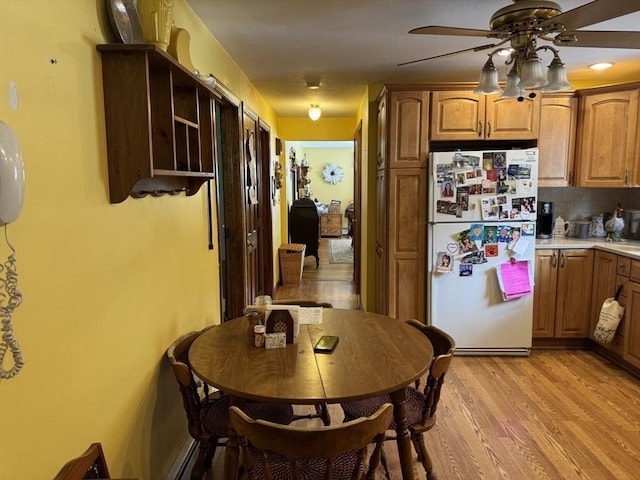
[518, 27]
[527, 20]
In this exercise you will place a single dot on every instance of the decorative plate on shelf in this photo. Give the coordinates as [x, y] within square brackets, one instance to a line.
[125, 21]
[332, 173]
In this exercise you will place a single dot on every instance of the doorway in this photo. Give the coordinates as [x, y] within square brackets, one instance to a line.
[312, 168]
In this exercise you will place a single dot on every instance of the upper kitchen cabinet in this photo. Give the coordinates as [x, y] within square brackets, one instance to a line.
[608, 130]
[463, 115]
[160, 123]
[408, 129]
[556, 142]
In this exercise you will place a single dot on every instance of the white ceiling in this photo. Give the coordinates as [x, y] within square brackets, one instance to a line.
[347, 44]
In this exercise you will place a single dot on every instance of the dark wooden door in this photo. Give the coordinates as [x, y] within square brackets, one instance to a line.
[257, 207]
[252, 185]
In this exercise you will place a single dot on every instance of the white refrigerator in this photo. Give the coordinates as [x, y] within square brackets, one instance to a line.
[481, 255]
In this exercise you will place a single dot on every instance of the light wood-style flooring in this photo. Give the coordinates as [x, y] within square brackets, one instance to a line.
[556, 415]
[329, 282]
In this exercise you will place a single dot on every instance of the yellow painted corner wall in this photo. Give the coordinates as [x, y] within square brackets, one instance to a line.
[106, 287]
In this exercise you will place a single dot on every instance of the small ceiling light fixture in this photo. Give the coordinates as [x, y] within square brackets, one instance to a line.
[314, 112]
[601, 66]
[313, 85]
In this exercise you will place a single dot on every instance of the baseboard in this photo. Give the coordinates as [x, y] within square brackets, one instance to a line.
[181, 468]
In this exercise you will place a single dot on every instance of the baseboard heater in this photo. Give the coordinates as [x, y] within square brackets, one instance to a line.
[181, 468]
[506, 352]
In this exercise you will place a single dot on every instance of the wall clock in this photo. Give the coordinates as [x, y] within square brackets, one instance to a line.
[332, 173]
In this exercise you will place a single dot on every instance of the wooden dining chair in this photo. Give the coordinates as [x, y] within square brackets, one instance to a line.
[421, 402]
[91, 464]
[208, 413]
[322, 410]
[339, 451]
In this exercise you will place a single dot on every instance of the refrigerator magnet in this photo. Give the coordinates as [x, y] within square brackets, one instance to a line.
[490, 234]
[504, 233]
[444, 263]
[447, 188]
[466, 269]
[491, 250]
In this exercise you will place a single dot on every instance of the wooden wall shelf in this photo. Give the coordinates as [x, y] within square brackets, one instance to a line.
[160, 122]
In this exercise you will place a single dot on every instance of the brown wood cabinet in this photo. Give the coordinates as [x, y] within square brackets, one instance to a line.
[401, 203]
[408, 135]
[608, 131]
[463, 115]
[605, 271]
[556, 142]
[630, 299]
[160, 123]
[331, 225]
[561, 307]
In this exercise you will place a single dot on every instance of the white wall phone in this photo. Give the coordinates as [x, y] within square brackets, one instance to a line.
[11, 200]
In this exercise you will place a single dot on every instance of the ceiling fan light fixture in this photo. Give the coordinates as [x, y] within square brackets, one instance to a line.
[532, 74]
[313, 85]
[488, 82]
[512, 90]
[557, 76]
[314, 112]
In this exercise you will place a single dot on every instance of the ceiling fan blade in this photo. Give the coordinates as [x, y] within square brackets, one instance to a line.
[474, 49]
[598, 39]
[463, 32]
[594, 12]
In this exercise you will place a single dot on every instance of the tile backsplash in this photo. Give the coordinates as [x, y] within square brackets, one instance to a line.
[581, 203]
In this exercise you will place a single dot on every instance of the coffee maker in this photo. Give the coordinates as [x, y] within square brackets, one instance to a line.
[544, 222]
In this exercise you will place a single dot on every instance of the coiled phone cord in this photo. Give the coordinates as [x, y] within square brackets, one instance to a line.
[13, 299]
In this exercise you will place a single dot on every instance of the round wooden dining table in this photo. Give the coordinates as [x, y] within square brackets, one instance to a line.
[376, 354]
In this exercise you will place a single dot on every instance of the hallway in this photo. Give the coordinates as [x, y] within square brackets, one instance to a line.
[331, 283]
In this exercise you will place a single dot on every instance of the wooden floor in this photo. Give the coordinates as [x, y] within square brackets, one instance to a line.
[556, 415]
[329, 282]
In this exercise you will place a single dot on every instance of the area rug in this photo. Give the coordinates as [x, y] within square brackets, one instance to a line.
[340, 250]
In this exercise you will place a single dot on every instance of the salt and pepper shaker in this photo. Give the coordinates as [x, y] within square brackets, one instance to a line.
[258, 335]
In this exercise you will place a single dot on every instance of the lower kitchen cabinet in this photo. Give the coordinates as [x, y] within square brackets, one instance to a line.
[610, 272]
[605, 271]
[631, 302]
[562, 306]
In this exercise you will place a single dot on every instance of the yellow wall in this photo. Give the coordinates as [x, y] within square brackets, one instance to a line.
[106, 287]
[318, 159]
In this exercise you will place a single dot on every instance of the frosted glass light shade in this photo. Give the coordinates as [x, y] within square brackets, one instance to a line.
[512, 90]
[488, 82]
[532, 74]
[557, 78]
[314, 112]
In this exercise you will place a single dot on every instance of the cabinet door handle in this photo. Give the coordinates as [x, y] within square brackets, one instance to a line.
[488, 129]
[479, 129]
[554, 260]
[563, 258]
[626, 177]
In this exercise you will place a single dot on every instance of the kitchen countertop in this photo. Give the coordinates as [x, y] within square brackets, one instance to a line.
[629, 248]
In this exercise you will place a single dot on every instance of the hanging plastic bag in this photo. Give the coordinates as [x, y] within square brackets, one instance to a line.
[610, 315]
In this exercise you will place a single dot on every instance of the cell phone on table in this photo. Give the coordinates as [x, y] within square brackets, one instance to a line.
[326, 344]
